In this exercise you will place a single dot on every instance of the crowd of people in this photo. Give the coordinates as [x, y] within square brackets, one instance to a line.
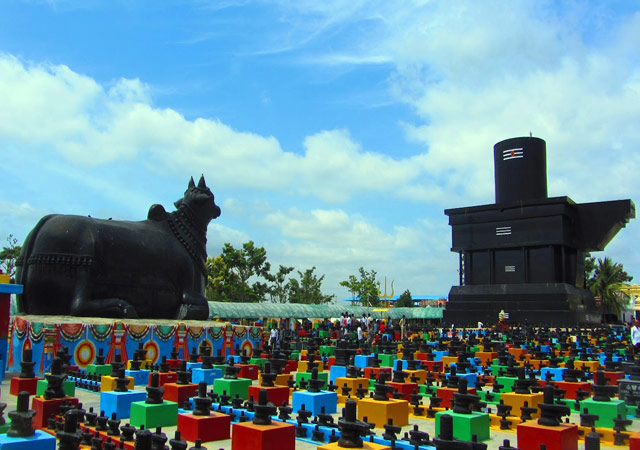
[365, 329]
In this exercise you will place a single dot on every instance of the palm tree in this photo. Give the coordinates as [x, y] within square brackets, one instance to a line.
[605, 282]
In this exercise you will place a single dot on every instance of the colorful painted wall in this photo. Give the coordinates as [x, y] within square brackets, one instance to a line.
[85, 341]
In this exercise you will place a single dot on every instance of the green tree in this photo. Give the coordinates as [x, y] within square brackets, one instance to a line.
[238, 275]
[309, 289]
[9, 256]
[364, 288]
[605, 278]
[405, 300]
[279, 291]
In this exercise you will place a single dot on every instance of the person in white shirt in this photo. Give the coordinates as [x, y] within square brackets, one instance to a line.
[635, 336]
[360, 336]
[273, 338]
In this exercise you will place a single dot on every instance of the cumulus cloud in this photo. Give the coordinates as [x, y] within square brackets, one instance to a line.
[51, 108]
[339, 243]
[477, 72]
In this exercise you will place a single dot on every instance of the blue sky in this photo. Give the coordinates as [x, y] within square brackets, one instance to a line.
[333, 133]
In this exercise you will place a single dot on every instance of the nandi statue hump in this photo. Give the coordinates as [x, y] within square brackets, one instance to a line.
[155, 268]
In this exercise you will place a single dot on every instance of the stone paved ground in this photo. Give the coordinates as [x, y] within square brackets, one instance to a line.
[89, 399]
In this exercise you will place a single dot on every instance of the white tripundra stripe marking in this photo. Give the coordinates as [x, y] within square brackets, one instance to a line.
[509, 268]
[512, 154]
[503, 231]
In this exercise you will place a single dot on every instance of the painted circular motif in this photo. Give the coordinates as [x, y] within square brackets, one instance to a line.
[248, 346]
[152, 351]
[84, 353]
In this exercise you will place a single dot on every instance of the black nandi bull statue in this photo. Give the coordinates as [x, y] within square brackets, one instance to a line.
[81, 266]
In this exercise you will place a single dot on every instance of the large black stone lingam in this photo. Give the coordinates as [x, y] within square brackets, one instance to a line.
[524, 254]
[109, 268]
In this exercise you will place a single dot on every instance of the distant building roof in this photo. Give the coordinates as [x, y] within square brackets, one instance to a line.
[415, 298]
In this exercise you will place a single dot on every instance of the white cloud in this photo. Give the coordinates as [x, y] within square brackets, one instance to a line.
[14, 215]
[338, 244]
[51, 108]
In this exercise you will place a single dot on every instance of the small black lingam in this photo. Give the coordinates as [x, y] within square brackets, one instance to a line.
[22, 417]
[446, 441]
[231, 371]
[268, 377]
[164, 365]
[398, 374]
[453, 378]
[351, 429]
[201, 401]
[177, 443]
[114, 425]
[100, 358]
[122, 382]
[462, 401]
[184, 376]
[521, 384]
[127, 432]
[26, 365]
[54, 380]
[263, 409]
[207, 362]
[70, 436]
[315, 384]
[158, 439]
[154, 392]
[143, 439]
[551, 414]
[193, 356]
[381, 389]
[601, 391]
[116, 365]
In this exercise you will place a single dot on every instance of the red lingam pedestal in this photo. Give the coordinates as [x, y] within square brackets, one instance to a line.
[405, 388]
[178, 393]
[45, 408]
[562, 437]
[215, 427]
[275, 394]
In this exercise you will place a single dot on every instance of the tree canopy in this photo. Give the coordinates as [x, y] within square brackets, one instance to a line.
[236, 274]
[9, 255]
[405, 300]
[308, 289]
[364, 288]
[604, 279]
[244, 275]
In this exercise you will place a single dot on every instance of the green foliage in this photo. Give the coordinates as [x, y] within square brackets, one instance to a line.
[405, 300]
[604, 279]
[9, 255]
[279, 291]
[235, 275]
[308, 290]
[365, 288]
[242, 275]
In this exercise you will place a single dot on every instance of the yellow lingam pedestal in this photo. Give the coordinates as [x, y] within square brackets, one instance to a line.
[108, 383]
[379, 408]
[304, 365]
[353, 383]
[516, 401]
[420, 374]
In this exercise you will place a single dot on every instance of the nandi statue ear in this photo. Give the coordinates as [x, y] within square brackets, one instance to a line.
[202, 184]
[192, 183]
